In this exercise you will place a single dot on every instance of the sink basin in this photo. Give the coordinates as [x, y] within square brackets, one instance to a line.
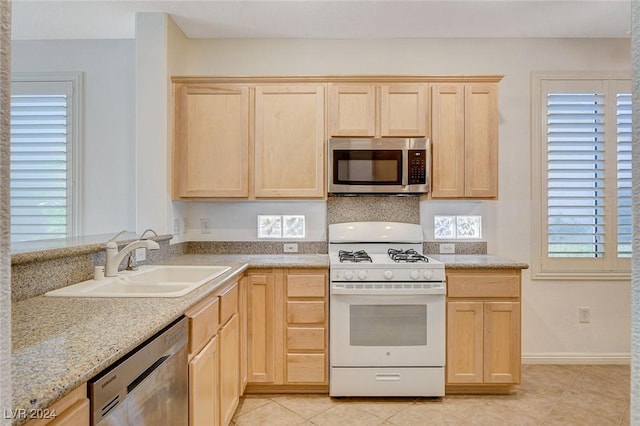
[175, 274]
[148, 281]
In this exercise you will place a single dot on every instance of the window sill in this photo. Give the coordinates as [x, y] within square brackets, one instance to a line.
[581, 276]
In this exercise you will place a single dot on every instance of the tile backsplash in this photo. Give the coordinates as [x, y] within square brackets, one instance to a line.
[373, 209]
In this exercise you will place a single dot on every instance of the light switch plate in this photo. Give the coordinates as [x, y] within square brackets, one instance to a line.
[291, 248]
[205, 225]
[447, 248]
[141, 254]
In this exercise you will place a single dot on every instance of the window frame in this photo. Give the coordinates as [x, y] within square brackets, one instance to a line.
[609, 267]
[75, 108]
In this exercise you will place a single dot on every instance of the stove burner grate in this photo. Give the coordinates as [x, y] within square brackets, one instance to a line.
[354, 256]
[409, 255]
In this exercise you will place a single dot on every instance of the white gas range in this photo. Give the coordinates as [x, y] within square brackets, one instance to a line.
[387, 312]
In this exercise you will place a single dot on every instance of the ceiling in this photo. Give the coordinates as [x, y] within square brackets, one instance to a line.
[348, 19]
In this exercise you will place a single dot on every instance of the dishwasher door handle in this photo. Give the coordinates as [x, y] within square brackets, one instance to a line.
[146, 373]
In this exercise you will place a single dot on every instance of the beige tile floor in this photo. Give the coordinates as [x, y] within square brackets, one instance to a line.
[548, 395]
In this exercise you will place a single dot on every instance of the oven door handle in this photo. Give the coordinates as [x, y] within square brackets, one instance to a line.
[386, 292]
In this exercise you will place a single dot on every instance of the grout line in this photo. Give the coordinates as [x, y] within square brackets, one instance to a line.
[300, 415]
[564, 393]
[244, 397]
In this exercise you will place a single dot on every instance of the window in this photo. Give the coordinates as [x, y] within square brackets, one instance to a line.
[582, 176]
[457, 227]
[281, 226]
[44, 145]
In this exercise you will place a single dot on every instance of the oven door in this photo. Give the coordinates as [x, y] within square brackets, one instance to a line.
[387, 330]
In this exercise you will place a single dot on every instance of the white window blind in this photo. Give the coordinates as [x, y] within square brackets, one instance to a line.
[42, 153]
[575, 177]
[581, 177]
[623, 126]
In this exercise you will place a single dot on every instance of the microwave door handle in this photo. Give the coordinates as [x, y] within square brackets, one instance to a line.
[405, 167]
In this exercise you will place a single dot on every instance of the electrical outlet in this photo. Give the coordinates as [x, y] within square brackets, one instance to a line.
[584, 314]
[205, 227]
[291, 248]
[447, 248]
[141, 254]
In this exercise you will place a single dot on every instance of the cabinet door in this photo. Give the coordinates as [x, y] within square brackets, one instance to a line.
[211, 141]
[352, 110]
[243, 335]
[289, 142]
[203, 386]
[481, 140]
[229, 369]
[448, 141]
[465, 342]
[403, 110]
[502, 342]
[265, 319]
[76, 415]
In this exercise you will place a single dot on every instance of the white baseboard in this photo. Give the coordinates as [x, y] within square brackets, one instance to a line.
[577, 358]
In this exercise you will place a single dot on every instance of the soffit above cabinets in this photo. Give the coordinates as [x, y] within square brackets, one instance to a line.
[110, 19]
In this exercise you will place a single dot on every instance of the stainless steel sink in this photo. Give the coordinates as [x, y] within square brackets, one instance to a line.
[148, 281]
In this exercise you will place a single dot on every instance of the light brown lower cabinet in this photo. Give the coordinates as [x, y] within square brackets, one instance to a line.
[287, 330]
[71, 410]
[483, 331]
[215, 357]
[204, 407]
[229, 369]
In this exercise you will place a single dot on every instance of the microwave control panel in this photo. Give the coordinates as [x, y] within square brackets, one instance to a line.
[417, 167]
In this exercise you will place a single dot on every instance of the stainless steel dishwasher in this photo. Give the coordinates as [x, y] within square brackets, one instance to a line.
[149, 386]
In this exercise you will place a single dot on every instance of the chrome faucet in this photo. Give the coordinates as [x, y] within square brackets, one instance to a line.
[114, 257]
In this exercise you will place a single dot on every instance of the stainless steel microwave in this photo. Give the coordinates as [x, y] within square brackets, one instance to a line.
[378, 166]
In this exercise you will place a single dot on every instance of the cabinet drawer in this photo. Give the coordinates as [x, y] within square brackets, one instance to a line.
[304, 312]
[490, 285]
[305, 338]
[203, 322]
[311, 285]
[306, 368]
[228, 303]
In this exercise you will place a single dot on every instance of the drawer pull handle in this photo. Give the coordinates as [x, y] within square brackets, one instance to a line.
[387, 376]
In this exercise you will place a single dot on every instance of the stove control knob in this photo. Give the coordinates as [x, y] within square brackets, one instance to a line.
[414, 275]
[388, 275]
[428, 274]
[348, 275]
[362, 275]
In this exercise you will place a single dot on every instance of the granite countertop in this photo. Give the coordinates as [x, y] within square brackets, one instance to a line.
[477, 261]
[59, 343]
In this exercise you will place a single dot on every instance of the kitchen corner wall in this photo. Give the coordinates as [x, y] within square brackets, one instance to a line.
[5, 258]
[635, 288]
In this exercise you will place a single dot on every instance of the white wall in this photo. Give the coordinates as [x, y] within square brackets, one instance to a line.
[108, 179]
[5, 225]
[550, 308]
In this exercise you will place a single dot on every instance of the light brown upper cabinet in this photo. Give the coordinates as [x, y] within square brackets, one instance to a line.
[211, 141]
[464, 121]
[248, 140]
[378, 110]
[289, 141]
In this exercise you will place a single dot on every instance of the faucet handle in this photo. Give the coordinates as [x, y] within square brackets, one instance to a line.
[148, 230]
[113, 239]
